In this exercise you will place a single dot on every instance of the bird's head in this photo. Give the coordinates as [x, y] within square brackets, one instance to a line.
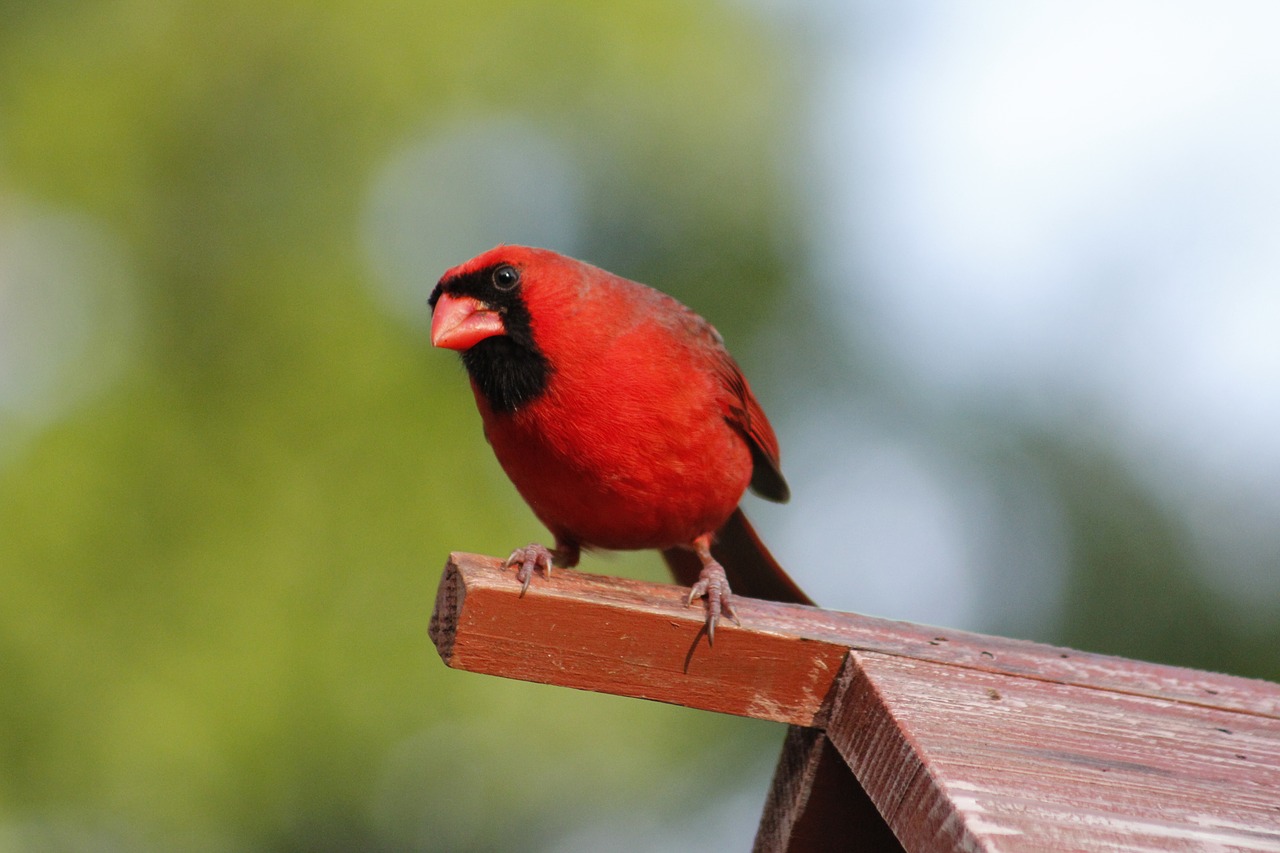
[480, 299]
[482, 309]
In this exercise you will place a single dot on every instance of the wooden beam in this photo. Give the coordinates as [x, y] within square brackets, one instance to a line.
[816, 804]
[639, 639]
[628, 638]
[960, 759]
[959, 741]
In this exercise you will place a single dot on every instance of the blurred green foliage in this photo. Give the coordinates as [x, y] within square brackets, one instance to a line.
[215, 575]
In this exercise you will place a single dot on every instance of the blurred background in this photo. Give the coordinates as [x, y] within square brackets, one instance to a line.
[1005, 275]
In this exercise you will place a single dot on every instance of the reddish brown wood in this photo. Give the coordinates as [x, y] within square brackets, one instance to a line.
[815, 804]
[629, 638]
[639, 639]
[961, 741]
[961, 759]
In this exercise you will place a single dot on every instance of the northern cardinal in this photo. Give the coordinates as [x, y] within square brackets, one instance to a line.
[620, 417]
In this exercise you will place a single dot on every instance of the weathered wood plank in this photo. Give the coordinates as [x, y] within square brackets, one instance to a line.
[639, 639]
[962, 759]
[961, 741]
[628, 638]
[816, 804]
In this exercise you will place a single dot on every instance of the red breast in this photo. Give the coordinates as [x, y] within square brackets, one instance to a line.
[615, 410]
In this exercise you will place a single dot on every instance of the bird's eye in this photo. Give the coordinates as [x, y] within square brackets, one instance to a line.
[506, 277]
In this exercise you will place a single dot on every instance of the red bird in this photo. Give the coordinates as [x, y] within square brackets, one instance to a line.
[620, 417]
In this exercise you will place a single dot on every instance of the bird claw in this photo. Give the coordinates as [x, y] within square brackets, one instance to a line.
[714, 586]
[528, 559]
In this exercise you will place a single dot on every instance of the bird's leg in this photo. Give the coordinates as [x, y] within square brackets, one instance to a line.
[526, 560]
[713, 584]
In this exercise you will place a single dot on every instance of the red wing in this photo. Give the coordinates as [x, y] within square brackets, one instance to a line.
[739, 405]
[743, 411]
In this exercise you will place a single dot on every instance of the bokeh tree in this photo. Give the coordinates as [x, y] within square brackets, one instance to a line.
[219, 556]
[231, 466]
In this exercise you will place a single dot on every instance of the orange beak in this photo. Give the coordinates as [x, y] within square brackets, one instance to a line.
[461, 322]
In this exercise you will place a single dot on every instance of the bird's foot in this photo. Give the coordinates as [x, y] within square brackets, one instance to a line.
[714, 586]
[533, 556]
[527, 560]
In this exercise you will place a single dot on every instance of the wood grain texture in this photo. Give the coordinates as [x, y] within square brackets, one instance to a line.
[639, 639]
[628, 638]
[961, 759]
[815, 804]
[961, 741]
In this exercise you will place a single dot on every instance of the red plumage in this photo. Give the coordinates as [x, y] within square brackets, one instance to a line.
[617, 413]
